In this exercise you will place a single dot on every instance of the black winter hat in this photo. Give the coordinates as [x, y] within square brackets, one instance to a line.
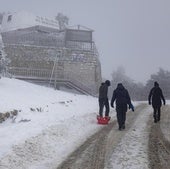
[119, 84]
[107, 82]
[156, 84]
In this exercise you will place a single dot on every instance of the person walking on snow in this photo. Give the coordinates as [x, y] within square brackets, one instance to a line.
[122, 98]
[156, 96]
[103, 99]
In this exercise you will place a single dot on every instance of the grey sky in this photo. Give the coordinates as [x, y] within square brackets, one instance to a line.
[134, 34]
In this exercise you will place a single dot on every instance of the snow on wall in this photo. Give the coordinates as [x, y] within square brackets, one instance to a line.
[19, 20]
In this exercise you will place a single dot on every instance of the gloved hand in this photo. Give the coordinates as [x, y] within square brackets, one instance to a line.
[164, 102]
[131, 107]
[149, 102]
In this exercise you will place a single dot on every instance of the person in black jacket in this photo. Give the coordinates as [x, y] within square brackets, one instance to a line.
[103, 98]
[156, 96]
[122, 98]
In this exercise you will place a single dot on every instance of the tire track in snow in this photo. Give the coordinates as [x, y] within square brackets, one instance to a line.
[159, 145]
[97, 150]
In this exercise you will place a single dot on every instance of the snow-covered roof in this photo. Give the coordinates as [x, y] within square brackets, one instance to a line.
[19, 20]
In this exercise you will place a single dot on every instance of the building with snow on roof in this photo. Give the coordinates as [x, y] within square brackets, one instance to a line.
[20, 20]
[41, 52]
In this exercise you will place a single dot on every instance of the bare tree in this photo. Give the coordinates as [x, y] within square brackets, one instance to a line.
[163, 78]
[62, 20]
[119, 76]
[4, 61]
[135, 89]
[1, 17]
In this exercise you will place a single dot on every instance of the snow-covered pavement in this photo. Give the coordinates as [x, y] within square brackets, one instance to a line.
[132, 151]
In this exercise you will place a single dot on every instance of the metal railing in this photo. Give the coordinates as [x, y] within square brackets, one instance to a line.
[69, 78]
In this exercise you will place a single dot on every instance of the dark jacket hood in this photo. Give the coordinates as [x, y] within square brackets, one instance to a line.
[120, 86]
[107, 82]
[156, 84]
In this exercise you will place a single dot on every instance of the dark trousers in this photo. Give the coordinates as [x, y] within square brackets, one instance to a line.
[157, 112]
[121, 114]
[104, 103]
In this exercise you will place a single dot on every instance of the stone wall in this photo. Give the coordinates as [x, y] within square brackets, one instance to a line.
[39, 59]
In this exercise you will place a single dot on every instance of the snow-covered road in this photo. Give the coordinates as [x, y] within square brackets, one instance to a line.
[111, 148]
[66, 123]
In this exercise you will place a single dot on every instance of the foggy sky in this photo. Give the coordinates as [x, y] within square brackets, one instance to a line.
[134, 34]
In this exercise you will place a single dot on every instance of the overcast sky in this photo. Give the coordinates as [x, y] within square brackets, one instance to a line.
[134, 34]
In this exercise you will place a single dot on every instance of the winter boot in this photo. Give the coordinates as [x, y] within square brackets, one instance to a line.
[123, 126]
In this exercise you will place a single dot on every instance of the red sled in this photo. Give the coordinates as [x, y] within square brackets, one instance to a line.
[103, 120]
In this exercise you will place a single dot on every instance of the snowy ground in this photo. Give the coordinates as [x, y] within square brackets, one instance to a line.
[132, 151]
[51, 124]
[60, 119]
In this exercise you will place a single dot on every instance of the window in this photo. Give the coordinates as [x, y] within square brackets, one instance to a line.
[9, 18]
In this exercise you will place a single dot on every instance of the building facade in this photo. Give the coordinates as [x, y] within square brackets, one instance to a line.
[47, 55]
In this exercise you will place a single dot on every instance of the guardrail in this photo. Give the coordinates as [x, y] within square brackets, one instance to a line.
[46, 75]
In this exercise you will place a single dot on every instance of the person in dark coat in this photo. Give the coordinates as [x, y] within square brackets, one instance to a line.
[122, 98]
[155, 98]
[103, 99]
